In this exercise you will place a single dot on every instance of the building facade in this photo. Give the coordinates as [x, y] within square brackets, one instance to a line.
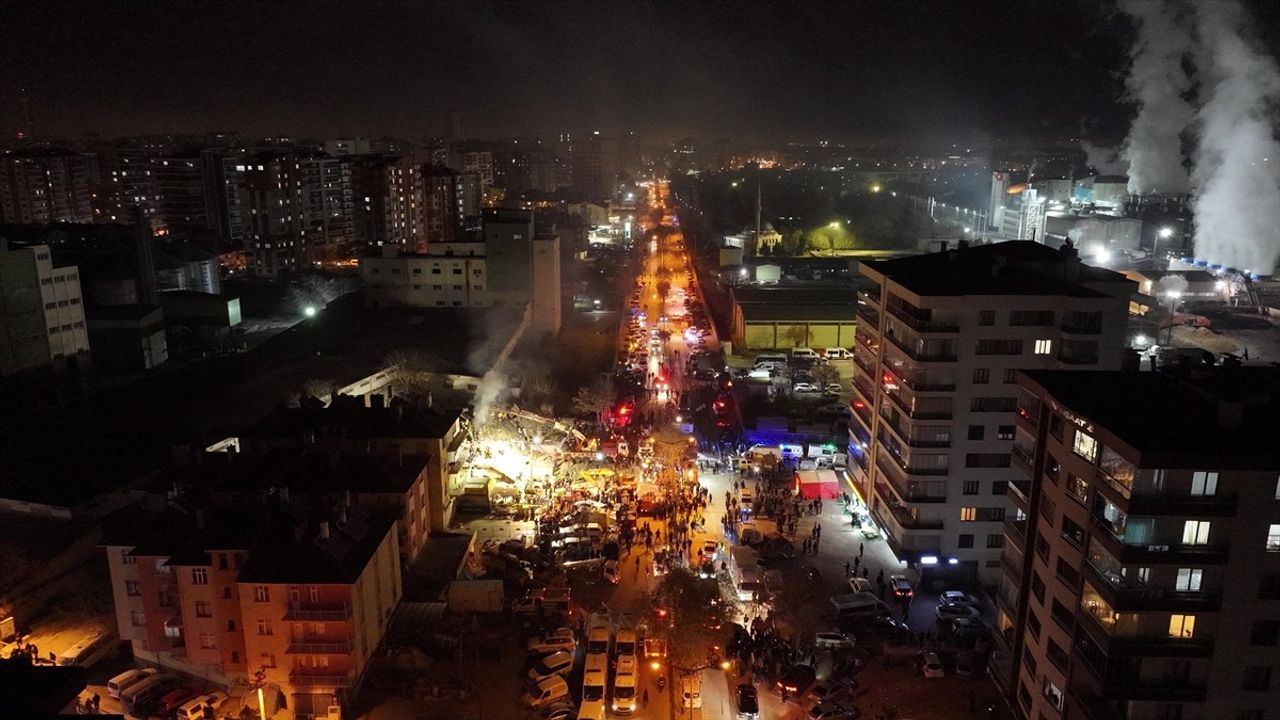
[47, 186]
[41, 310]
[293, 212]
[304, 601]
[1141, 573]
[939, 339]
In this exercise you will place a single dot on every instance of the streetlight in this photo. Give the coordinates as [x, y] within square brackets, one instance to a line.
[309, 311]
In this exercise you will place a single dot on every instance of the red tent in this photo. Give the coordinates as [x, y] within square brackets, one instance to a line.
[817, 484]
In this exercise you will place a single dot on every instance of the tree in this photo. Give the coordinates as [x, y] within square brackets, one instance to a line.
[906, 228]
[540, 392]
[692, 602]
[824, 374]
[797, 335]
[412, 372]
[596, 399]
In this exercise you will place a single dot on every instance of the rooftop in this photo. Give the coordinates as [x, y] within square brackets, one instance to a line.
[837, 295]
[301, 471]
[351, 418]
[308, 556]
[71, 455]
[1009, 268]
[1229, 416]
[799, 311]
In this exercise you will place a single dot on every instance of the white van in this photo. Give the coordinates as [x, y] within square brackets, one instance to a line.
[770, 358]
[593, 685]
[88, 650]
[546, 692]
[151, 687]
[128, 679]
[591, 710]
[193, 709]
[691, 690]
[624, 693]
[836, 354]
[804, 353]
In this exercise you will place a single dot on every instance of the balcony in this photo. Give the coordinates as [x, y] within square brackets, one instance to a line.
[1156, 553]
[864, 364]
[1078, 358]
[317, 611]
[1020, 492]
[1012, 566]
[867, 336]
[1151, 645]
[1076, 325]
[866, 314]
[299, 677]
[914, 413]
[901, 515]
[905, 437]
[923, 356]
[1121, 681]
[920, 320]
[865, 389]
[1025, 458]
[319, 648]
[906, 489]
[1016, 530]
[871, 298]
[1128, 599]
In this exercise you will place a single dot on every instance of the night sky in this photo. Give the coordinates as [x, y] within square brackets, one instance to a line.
[773, 71]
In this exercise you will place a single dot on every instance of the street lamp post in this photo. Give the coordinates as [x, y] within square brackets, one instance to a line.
[1174, 296]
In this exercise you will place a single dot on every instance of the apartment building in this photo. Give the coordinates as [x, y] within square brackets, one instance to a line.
[303, 598]
[938, 341]
[1141, 573]
[292, 211]
[389, 202]
[47, 186]
[443, 203]
[41, 310]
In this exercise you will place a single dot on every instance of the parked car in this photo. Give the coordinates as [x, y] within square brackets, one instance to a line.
[551, 690]
[836, 354]
[951, 611]
[833, 639]
[709, 549]
[804, 387]
[902, 587]
[832, 711]
[550, 666]
[611, 572]
[834, 388]
[552, 644]
[748, 702]
[956, 597]
[796, 680]
[860, 584]
[829, 690]
[931, 665]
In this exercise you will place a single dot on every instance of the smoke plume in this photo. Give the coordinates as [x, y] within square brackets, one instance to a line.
[1101, 159]
[1236, 176]
[1157, 82]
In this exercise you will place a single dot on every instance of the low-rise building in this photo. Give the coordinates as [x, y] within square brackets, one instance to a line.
[303, 598]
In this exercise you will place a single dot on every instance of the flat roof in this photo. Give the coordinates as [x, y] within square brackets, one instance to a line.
[842, 294]
[67, 456]
[1176, 414]
[285, 556]
[349, 417]
[1017, 267]
[803, 312]
[300, 470]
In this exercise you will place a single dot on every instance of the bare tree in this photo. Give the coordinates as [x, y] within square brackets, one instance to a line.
[797, 334]
[824, 374]
[412, 372]
[540, 391]
[597, 398]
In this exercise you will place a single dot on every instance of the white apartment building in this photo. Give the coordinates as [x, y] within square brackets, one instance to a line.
[938, 341]
[447, 275]
[41, 310]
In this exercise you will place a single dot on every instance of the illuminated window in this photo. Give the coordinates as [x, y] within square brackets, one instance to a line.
[1182, 626]
[1196, 532]
[261, 593]
[199, 576]
[1043, 347]
[1085, 446]
[264, 627]
[968, 514]
[1204, 483]
[1273, 538]
[1189, 579]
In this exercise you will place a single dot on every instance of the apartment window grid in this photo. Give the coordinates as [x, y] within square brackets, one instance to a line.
[1196, 532]
[261, 593]
[1204, 483]
[1043, 347]
[199, 576]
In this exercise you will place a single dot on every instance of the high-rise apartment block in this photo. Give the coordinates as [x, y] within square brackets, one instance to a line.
[443, 203]
[41, 310]
[595, 166]
[939, 340]
[1141, 568]
[47, 186]
[293, 212]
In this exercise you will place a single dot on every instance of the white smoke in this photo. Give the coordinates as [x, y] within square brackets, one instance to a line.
[1103, 160]
[1157, 82]
[1236, 176]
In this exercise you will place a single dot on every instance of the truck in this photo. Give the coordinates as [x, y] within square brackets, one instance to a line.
[858, 606]
[548, 600]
